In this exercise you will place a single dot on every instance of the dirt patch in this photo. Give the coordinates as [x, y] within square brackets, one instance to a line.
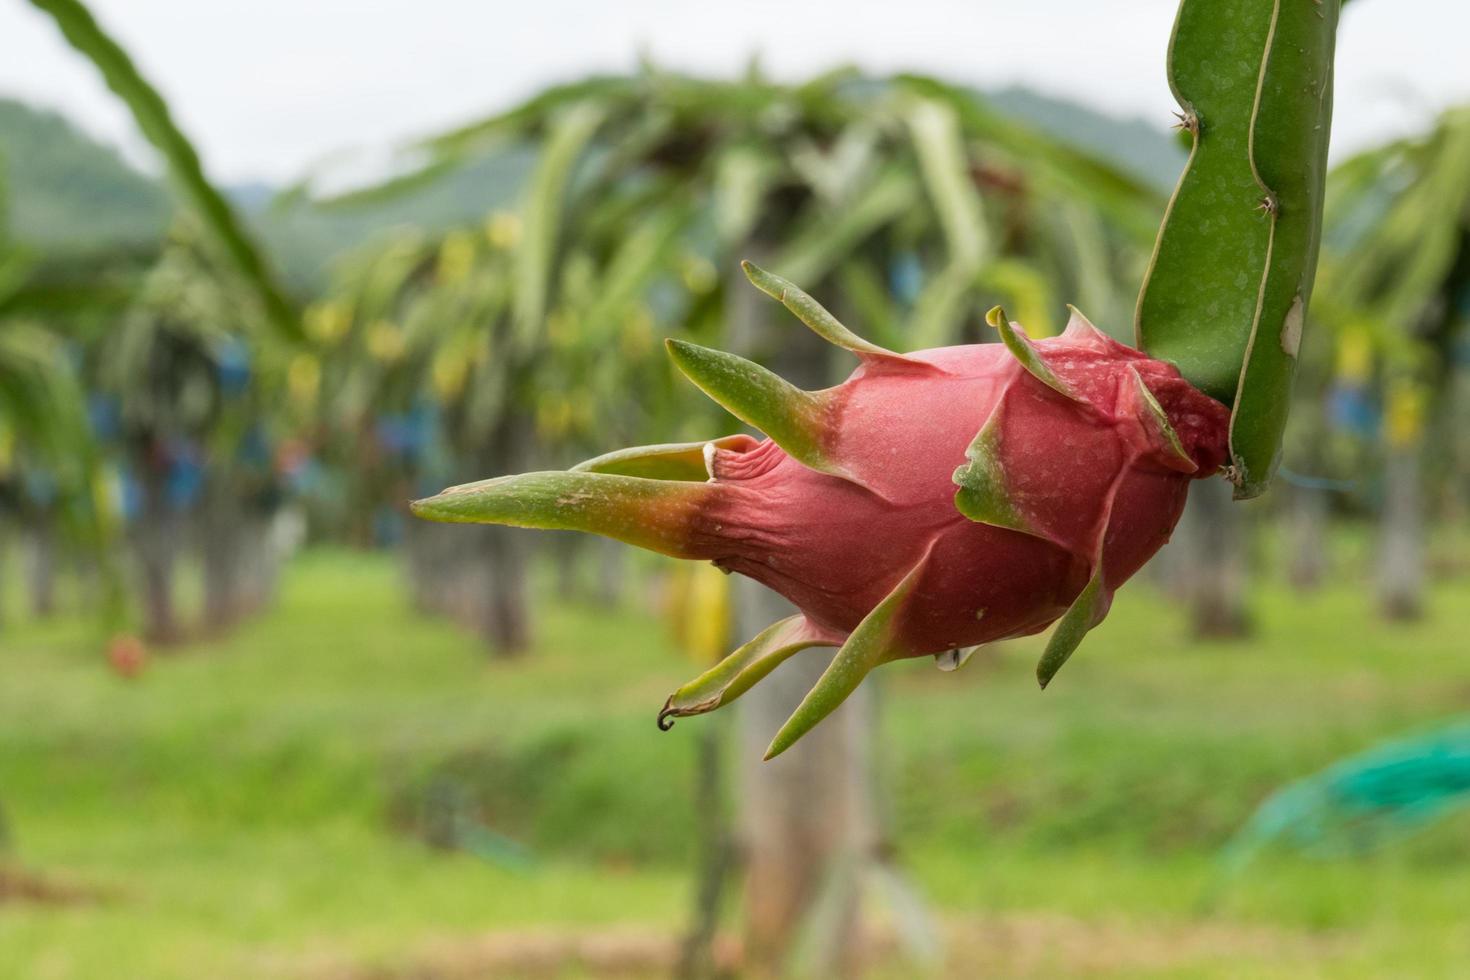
[20, 886]
[1014, 946]
[1047, 945]
[623, 953]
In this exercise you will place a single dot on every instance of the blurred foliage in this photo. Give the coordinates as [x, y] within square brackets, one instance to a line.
[1395, 291]
[520, 310]
[913, 199]
[1396, 288]
[49, 464]
[1400, 219]
[1135, 146]
[167, 360]
[56, 317]
[73, 194]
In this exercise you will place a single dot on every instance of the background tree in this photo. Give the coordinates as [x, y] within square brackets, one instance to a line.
[1401, 233]
[217, 218]
[54, 484]
[187, 396]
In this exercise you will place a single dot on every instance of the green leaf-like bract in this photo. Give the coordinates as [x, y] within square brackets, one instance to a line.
[796, 420]
[876, 641]
[1086, 611]
[983, 495]
[741, 670]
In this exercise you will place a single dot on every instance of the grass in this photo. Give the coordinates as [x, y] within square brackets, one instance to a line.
[241, 807]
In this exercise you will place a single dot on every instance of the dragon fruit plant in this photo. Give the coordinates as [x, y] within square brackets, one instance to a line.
[942, 499]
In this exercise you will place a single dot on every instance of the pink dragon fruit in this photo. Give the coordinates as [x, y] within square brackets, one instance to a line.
[877, 509]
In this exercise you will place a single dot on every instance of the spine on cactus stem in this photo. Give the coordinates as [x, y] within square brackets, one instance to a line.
[1226, 295]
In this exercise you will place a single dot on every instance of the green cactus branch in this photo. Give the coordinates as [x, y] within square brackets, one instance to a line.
[151, 112]
[1226, 294]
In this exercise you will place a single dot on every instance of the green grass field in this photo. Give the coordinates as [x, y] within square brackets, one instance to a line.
[240, 810]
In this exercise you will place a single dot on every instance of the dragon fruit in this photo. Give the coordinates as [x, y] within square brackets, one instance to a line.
[932, 502]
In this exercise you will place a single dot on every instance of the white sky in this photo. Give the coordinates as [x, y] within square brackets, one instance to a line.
[267, 88]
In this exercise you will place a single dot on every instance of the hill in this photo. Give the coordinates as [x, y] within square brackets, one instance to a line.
[68, 192]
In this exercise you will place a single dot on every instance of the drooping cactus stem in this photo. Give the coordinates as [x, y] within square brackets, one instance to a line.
[1289, 134]
[1225, 297]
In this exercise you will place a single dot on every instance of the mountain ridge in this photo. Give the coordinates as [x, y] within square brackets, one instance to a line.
[69, 193]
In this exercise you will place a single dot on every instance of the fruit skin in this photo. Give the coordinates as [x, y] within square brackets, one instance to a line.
[931, 502]
[836, 547]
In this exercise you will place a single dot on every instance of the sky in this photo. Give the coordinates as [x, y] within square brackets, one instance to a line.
[273, 89]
